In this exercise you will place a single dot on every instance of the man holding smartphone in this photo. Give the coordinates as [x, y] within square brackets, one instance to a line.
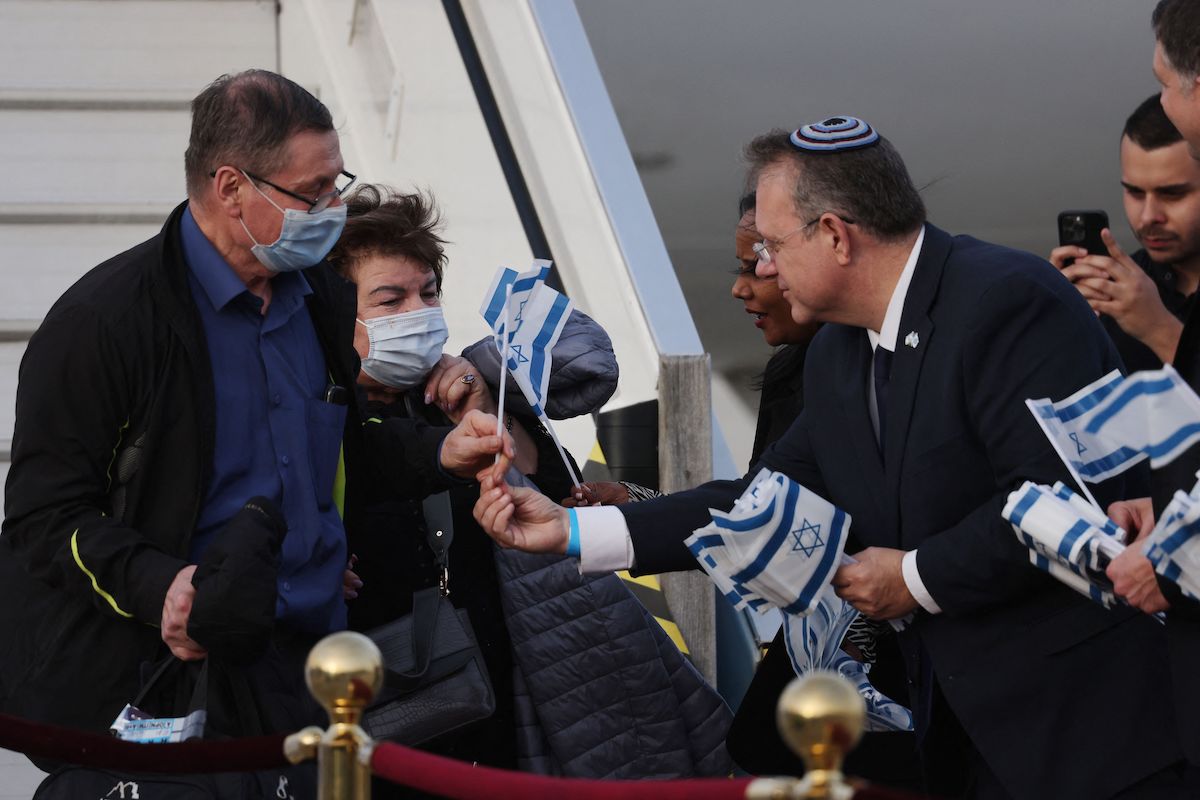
[1177, 68]
[1143, 298]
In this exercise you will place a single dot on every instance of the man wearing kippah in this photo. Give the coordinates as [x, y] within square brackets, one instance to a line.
[915, 425]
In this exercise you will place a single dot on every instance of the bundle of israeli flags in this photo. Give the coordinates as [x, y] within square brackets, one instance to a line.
[1109, 425]
[527, 317]
[779, 546]
[1067, 537]
[1173, 547]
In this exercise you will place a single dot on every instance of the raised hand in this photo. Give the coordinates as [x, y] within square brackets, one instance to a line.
[1115, 285]
[456, 387]
[473, 445]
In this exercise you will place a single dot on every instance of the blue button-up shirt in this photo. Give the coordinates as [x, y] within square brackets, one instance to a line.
[275, 434]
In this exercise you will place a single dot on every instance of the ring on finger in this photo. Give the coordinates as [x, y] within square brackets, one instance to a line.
[468, 379]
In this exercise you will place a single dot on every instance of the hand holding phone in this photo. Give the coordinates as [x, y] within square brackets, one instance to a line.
[1082, 229]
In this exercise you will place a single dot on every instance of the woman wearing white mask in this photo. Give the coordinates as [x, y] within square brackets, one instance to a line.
[394, 256]
[566, 701]
[392, 251]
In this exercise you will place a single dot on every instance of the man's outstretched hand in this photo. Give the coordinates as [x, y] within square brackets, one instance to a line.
[473, 445]
[518, 517]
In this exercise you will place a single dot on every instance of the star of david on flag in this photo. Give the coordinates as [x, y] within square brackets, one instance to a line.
[516, 351]
[1115, 422]
[807, 538]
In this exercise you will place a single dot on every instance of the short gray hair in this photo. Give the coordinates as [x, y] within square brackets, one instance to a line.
[1177, 28]
[870, 185]
[245, 120]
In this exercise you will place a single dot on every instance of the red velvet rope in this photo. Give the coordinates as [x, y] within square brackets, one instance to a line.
[462, 781]
[97, 750]
[403, 765]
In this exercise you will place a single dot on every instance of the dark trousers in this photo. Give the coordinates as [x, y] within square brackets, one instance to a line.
[954, 768]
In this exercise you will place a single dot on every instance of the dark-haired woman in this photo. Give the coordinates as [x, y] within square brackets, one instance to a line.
[574, 638]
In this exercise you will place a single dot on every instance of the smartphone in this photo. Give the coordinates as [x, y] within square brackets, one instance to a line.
[1082, 229]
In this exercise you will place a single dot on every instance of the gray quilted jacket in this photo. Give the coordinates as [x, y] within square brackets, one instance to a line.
[601, 691]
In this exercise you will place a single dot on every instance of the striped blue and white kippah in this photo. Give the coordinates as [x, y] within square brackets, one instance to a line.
[834, 134]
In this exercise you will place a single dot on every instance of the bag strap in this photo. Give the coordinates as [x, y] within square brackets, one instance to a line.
[426, 605]
[439, 533]
[159, 673]
[199, 700]
[200, 693]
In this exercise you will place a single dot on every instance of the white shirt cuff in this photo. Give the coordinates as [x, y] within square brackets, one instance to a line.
[916, 586]
[604, 542]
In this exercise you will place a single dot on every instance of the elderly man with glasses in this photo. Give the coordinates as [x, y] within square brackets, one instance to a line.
[184, 406]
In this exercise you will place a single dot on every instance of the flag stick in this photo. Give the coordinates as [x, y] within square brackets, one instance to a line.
[562, 453]
[503, 367]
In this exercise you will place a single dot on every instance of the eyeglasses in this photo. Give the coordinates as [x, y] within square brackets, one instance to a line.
[767, 248]
[315, 204]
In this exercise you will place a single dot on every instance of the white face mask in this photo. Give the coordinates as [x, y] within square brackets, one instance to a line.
[404, 347]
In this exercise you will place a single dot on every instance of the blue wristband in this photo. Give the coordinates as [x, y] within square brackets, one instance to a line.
[573, 538]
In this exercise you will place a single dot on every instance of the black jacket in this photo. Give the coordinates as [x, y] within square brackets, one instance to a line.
[1061, 697]
[1183, 618]
[112, 449]
[394, 560]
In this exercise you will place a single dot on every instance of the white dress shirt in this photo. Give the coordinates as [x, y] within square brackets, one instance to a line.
[605, 543]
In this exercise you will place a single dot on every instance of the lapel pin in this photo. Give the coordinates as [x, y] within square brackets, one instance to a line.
[912, 340]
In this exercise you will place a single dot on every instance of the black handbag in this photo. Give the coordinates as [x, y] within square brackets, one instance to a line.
[435, 678]
[297, 782]
[84, 783]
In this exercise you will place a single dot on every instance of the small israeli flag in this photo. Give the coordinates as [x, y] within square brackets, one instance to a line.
[525, 329]
[537, 314]
[814, 642]
[1066, 537]
[1110, 425]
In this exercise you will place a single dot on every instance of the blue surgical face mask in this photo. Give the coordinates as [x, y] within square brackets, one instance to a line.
[404, 347]
[303, 240]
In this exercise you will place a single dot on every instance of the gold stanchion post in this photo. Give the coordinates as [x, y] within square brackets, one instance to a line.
[344, 672]
[821, 717]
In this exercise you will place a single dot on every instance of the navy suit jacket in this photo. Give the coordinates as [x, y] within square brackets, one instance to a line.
[1061, 697]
